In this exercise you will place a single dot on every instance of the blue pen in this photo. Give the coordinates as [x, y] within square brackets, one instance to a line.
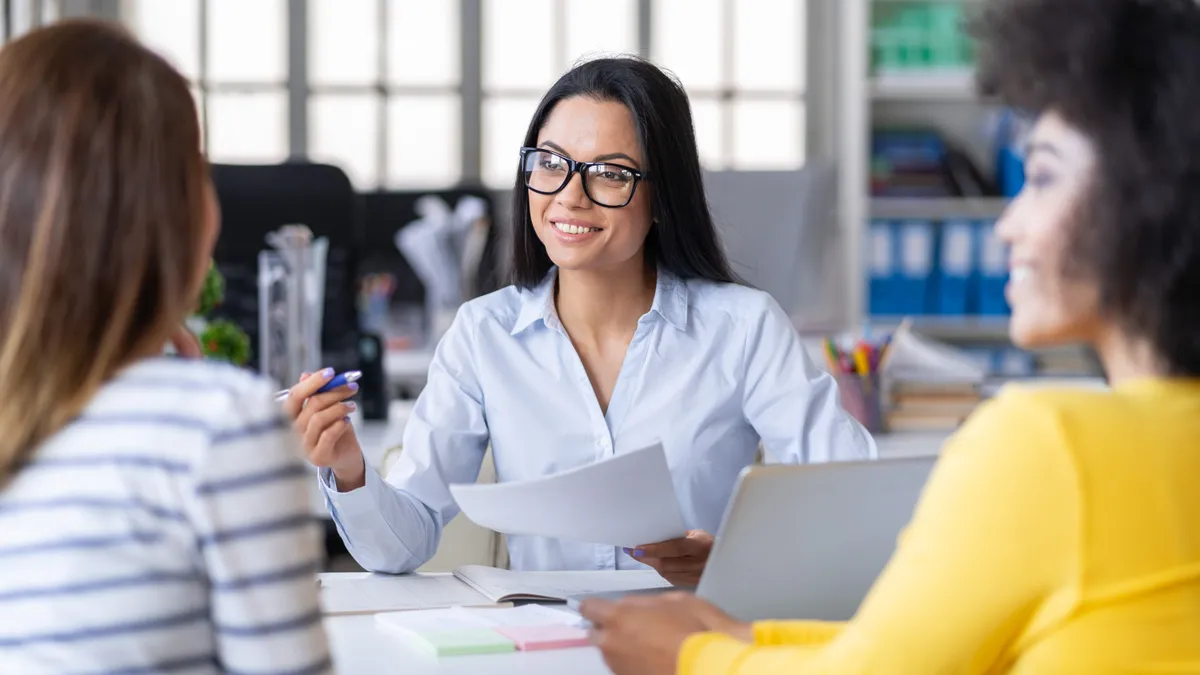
[337, 381]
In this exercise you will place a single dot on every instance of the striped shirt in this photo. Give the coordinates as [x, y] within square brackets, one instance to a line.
[165, 530]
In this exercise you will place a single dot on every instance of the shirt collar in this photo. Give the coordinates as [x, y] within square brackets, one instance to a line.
[537, 304]
[670, 302]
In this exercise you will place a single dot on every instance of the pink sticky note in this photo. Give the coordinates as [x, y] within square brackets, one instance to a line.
[533, 638]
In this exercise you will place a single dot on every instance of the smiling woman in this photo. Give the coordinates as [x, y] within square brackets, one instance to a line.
[624, 328]
[1060, 532]
[630, 124]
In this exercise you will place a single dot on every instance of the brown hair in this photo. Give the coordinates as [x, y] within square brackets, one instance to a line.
[103, 196]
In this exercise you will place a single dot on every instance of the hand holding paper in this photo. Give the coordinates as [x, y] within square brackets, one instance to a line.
[589, 503]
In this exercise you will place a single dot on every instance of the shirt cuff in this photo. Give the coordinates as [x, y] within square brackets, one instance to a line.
[796, 632]
[720, 654]
[360, 500]
[710, 653]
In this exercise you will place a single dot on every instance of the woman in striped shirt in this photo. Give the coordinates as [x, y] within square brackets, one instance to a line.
[152, 512]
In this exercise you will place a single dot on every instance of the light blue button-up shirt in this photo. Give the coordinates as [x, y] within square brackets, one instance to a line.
[712, 370]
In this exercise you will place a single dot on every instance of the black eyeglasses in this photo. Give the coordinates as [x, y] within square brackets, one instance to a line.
[606, 184]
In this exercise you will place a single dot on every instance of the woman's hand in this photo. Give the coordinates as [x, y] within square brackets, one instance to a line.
[643, 634]
[323, 422]
[679, 561]
[185, 343]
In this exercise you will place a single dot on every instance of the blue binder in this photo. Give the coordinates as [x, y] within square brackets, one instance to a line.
[914, 273]
[881, 265]
[956, 268]
[993, 271]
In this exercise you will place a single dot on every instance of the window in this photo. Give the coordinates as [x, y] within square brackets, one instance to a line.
[18, 17]
[384, 85]
[526, 47]
[235, 54]
[377, 87]
[744, 72]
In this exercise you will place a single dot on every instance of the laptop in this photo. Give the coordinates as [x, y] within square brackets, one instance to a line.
[807, 541]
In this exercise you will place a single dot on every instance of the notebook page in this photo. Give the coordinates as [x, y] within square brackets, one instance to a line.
[353, 593]
[501, 585]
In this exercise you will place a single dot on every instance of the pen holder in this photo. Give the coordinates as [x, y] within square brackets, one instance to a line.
[862, 397]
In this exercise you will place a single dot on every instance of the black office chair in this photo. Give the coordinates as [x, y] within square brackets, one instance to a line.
[258, 199]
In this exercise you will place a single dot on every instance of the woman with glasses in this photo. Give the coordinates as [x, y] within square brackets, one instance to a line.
[624, 327]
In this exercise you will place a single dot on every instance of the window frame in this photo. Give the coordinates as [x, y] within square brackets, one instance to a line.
[471, 91]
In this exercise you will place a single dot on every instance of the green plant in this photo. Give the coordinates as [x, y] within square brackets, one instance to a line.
[212, 293]
[226, 341]
[220, 339]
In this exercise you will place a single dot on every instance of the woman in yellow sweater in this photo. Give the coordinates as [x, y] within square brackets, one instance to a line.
[1060, 532]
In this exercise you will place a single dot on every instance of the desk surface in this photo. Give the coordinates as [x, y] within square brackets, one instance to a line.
[360, 648]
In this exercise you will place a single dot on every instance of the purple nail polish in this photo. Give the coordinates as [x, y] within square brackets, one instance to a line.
[346, 419]
[637, 553]
[353, 386]
[351, 405]
[327, 373]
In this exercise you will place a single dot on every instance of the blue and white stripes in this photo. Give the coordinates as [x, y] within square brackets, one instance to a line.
[165, 530]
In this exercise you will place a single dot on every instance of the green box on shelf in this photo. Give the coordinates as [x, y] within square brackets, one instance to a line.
[919, 35]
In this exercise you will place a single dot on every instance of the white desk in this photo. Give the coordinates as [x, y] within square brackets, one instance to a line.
[360, 648]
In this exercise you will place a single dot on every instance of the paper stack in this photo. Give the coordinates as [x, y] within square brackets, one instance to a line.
[460, 630]
[932, 386]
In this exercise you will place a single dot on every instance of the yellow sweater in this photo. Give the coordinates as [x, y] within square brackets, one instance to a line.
[1059, 533]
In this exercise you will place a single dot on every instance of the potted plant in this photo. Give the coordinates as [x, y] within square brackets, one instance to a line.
[220, 339]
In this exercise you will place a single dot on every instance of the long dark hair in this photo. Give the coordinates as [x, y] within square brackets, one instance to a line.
[683, 239]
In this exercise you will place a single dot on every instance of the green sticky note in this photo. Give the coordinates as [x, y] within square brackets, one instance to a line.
[457, 642]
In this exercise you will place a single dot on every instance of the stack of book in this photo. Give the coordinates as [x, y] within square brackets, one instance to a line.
[931, 405]
[931, 386]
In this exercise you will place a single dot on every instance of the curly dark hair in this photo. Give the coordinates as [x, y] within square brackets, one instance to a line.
[1126, 73]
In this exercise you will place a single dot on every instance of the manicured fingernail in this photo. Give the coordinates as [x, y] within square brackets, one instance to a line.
[637, 553]
[351, 405]
[328, 372]
[346, 419]
[353, 386]
[628, 551]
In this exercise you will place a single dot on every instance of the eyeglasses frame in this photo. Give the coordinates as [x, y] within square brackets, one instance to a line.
[574, 166]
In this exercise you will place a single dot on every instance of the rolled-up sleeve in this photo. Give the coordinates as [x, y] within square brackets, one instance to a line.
[794, 406]
[395, 525]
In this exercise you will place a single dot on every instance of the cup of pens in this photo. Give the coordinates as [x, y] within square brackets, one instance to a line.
[856, 369]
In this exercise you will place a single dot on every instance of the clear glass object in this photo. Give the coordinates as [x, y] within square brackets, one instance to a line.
[291, 294]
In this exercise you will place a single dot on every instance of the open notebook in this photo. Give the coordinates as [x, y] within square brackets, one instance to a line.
[468, 586]
[500, 585]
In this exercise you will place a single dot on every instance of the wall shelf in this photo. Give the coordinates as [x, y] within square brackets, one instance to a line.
[955, 329]
[957, 85]
[937, 208]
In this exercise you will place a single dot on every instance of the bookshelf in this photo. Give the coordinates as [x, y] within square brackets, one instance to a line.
[941, 98]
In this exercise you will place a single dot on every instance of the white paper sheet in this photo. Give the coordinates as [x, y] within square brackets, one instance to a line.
[459, 618]
[625, 500]
[355, 593]
[503, 585]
